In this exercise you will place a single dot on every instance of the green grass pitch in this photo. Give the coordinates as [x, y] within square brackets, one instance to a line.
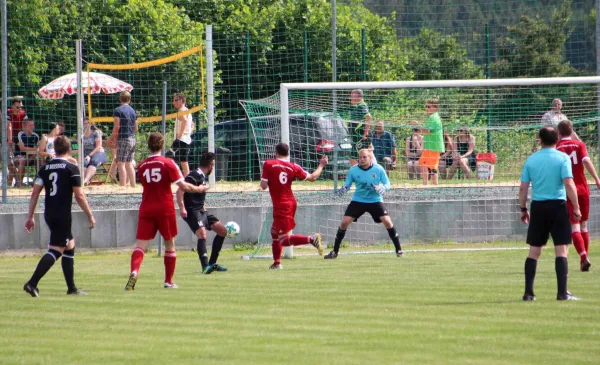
[424, 308]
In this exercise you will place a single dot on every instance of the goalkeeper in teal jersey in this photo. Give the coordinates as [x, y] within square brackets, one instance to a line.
[371, 183]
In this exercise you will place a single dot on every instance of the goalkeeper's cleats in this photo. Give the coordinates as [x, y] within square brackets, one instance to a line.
[399, 253]
[276, 267]
[131, 282]
[569, 296]
[31, 290]
[528, 297]
[585, 265]
[214, 267]
[171, 286]
[76, 291]
[317, 242]
[330, 256]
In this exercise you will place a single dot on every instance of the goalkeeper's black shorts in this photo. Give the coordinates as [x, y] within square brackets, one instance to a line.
[357, 209]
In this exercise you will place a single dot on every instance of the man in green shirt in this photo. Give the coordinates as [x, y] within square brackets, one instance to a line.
[359, 112]
[433, 142]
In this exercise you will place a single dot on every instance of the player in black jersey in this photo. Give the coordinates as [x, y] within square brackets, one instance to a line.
[61, 180]
[191, 209]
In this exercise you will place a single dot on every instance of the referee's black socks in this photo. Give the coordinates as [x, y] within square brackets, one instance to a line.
[530, 269]
[216, 249]
[339, 236]
[68, 268]
[395, 238]
[43, 266]
[561, 265]
[202, 253]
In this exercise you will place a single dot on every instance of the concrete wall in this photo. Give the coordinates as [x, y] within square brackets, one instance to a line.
[462, 221]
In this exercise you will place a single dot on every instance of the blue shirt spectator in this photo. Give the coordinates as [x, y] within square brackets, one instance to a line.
[127, 117]
[365, 180]
[546, 169]
[384, 146]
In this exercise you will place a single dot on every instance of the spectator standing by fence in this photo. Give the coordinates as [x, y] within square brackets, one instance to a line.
[124, 129]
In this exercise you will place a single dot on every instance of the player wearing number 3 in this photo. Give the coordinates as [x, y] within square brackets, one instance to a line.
[277, 175]
[157, 211]
[577, 153]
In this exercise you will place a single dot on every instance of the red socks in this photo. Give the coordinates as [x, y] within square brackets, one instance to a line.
[295, 240]
[136, 259]
[170, 260]
[579, 244]
[277, 248]
[586, 240]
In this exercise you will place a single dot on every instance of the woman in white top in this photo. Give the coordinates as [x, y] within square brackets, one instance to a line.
[184, 125]
[46, 147]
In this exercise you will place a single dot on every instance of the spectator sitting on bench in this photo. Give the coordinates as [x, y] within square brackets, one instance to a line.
[46, 147]
[92, 150]
[464, 153]
[27, 141]
[413, 150]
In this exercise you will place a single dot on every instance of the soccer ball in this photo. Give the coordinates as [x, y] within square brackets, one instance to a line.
[233, 229]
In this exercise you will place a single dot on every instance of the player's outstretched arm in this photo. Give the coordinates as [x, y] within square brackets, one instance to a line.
[590, 167]
[35, 194]
[315, 174]
[189, 188]
[82, 202]
[182, 211]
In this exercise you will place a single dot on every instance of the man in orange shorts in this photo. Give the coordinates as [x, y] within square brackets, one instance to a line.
[433, 142]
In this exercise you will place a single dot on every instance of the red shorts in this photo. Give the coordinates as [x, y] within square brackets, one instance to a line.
[584, 207]
[283, 219]
[147, 227]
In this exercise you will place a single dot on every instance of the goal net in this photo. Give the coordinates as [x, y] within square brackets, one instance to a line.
[490, 128]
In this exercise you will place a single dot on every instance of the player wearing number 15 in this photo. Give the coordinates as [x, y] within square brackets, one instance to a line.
[277, 175]
[157, 211]
[577, 153]
[61, 180]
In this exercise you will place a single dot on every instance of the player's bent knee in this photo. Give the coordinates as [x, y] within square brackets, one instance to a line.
[201, 233]
[70, 245]
[575, 227]
[219, 229]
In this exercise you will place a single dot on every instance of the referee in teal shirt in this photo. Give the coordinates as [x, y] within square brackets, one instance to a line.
[549, 172]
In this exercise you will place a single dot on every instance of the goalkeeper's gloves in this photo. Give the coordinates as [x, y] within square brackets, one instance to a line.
[343, 190]
[380, 189]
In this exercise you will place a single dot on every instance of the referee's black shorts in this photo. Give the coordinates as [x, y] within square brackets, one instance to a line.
[60, 230]
[198, 218]
[549, 218]
[357, 209]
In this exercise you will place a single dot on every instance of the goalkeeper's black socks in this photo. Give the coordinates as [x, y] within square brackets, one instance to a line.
[530, 269]
[561, 265]
[202, 253]
[395, 238]
[339, 236]
[46, 262]
[67, 264]
[216, 249]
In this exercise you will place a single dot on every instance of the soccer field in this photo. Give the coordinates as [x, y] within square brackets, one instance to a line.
[424, 308]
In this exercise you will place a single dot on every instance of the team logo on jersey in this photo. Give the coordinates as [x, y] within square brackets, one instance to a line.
[200, 224]
[374, 176]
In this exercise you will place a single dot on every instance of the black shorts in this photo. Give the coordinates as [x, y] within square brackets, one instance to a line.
[356, 210]
[60, 230]
[197, 218]
[181, 151]
[549, 218]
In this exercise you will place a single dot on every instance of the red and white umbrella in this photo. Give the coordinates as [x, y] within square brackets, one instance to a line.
[67, 84]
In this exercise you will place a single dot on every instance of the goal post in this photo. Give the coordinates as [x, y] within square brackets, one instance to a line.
[475, 201]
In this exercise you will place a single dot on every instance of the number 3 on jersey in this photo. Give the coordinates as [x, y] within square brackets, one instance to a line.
[152, 175]
[283, 178]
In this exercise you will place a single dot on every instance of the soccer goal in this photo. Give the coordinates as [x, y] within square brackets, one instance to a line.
[490, 128]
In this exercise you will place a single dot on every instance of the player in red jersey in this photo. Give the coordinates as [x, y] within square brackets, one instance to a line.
[278, 175]
[157, 211]
[577, 152]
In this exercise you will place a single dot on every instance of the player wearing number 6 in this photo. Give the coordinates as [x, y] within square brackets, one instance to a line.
[371, 183]
[157, 211]
[277, 175]
[577, 153]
